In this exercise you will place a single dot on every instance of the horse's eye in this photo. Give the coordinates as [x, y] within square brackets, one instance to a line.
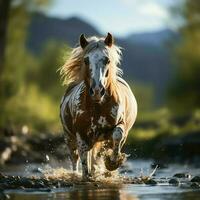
[107, 73]
[106, 61]
[86, 60]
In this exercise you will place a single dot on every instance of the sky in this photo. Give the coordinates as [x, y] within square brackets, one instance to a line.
[120, 17]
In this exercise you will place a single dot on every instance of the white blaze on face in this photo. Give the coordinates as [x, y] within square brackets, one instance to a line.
[96, 65]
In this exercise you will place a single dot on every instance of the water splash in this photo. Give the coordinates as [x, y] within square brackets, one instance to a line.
[61, 173]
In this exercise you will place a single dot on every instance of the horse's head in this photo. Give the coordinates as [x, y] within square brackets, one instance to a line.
[96, 61]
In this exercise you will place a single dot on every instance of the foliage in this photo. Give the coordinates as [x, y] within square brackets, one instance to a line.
[164, 122]
[31, 89]
[144, 95]
[151, 135]
[184, 92]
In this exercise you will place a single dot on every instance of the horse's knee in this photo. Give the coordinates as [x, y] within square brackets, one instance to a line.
[117, 134]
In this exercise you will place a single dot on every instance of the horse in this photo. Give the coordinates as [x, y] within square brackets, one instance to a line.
[98, 108]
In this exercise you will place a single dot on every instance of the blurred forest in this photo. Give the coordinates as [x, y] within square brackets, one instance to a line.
[29, 97]
[30, 89]
[184, 92]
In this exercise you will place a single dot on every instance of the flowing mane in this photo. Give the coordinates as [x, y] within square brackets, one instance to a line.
[72, 72]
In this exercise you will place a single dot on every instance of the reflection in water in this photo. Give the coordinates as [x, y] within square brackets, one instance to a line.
[190, 195]
[96, 194]
[104, 194]
[77, 194]
[193, 195]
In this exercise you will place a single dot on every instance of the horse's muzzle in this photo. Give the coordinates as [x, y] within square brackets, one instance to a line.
[97, 93]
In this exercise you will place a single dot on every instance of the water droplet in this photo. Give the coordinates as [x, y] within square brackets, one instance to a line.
[47, 158]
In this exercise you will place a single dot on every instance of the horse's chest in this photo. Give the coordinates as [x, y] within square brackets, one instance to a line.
[101, 122]
[98, 121]
[100, 128]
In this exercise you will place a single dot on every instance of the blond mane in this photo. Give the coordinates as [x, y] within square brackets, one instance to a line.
[72, 72]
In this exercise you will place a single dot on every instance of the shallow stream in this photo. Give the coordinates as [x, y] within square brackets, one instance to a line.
[135, 168]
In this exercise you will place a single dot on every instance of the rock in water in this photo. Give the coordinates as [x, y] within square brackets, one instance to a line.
[195, 185]
[182, 175]
[174, 181]
[151, 182]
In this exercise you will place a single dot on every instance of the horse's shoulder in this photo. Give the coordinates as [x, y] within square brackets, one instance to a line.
[70, 88]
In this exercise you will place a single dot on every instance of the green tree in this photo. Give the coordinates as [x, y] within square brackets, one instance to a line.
[4, 13]
[18, 94]
[184, 92]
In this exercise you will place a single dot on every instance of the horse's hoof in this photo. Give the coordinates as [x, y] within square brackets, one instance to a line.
[88, 178]
[112, 165]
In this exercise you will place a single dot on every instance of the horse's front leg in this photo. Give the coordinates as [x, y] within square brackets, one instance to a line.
[117, 137]
[116, 159]
[83, 153]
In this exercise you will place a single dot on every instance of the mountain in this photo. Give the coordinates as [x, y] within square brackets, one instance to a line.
[43, 28]
[146, 56]
[152, 38]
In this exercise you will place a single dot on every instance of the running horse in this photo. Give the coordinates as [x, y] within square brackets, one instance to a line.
[98, 108]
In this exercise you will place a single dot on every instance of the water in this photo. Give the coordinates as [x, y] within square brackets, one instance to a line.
[115, 192]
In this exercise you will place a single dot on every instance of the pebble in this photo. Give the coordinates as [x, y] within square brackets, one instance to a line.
[196, 179]
[174, 181]
[182, 175]
[195, 185]
[39, 184]
[151, 182]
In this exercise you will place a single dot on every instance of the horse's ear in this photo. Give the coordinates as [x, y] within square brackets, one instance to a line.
[109, 40]
[83, 41]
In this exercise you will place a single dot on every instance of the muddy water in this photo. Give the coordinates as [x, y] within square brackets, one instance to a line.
[112, 192]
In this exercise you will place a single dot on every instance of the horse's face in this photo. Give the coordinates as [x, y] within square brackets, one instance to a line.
[97, 64]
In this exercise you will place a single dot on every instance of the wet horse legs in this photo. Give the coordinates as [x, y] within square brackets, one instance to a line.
[116, 158]
[117, 139]
[84, 156]
[72, 153]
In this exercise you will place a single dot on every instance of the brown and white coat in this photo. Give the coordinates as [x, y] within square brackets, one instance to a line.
[103, 115]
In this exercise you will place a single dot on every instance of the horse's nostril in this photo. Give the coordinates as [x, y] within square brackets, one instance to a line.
[91, 92]
[102, 91]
